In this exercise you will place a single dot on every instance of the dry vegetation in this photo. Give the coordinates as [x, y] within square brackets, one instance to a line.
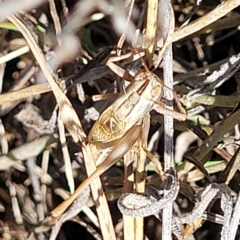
[63, 63]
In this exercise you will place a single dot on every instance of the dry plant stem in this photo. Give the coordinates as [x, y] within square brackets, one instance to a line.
[166, 18]
[234, 168]
[120, 21]
[227, 207]
[44, 166]
[83, 9]
[24, 93]
[191, 13]
[210, 142]
[99, 197]
[151, 30]
[9, 105]
[220, 11]
[31, 165]
[66, 156]
[168, 35]
[190, 76]
[92, 75]
[215, 218]
[129, 158]
[122, 38]
[140, 174]
[55, 17]
[128, 221]
[196, 175]
[168, 159]
[14, 54]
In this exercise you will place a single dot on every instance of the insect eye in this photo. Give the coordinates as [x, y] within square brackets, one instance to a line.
[141, 76]
[156, 91]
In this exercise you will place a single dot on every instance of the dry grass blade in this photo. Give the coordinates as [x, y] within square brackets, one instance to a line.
[140, 174]
[67, 113]
[128, 221]
[220, 11]
[218, 101]
[24, 93]
[167, 22]
[211, 141]
[100, 200]
[231, 168]
[71, 121]
[168, 37]
[66, 156]
[151, 30]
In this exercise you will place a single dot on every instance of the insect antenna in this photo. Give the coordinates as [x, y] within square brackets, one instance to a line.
[144, 65]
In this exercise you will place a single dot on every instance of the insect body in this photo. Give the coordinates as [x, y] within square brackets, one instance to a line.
[127, 110]
[119, 127]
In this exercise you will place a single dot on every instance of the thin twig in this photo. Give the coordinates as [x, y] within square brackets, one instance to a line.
[128, 221]
[66, 156]
[166, 18]
[55, 17]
